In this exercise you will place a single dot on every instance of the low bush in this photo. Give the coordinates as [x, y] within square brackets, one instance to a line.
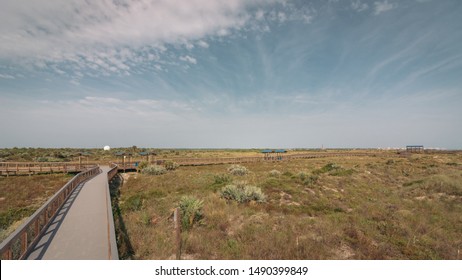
[238, 170]
[191, 211]
[171, 165]
[243, 193]
[327, 168]
[154, 170]
[222, 179]
[306, 178]
[143, 165]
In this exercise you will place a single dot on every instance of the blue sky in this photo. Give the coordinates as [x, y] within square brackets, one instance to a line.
[231, 74]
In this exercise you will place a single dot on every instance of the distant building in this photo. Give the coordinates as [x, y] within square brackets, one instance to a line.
[107, 148]
[415, 148]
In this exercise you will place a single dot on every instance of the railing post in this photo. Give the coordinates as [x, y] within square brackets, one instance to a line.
[36, 227]
[24, 242]
[9, 254]
[45, 220]
[177, 232]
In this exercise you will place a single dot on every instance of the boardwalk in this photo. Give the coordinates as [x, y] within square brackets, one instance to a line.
[30, 168]
[84, 227]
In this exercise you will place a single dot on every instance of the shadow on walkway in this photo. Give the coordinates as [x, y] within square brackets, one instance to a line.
[123, 241]
[40, 249]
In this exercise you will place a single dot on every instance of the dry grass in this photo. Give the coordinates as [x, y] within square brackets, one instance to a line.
[364, 208]
[20, 196]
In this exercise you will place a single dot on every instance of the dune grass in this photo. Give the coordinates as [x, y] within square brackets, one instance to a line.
[328, 208]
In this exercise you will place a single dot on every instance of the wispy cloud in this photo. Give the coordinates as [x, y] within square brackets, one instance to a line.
[109, 37]
[359, 6]
[6, 76]
[203, 44]
[188, 58]
[383, 6]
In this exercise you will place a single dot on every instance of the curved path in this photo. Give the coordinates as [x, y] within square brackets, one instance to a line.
[84, 228]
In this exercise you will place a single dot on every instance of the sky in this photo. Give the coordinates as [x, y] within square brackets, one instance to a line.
[231, 73]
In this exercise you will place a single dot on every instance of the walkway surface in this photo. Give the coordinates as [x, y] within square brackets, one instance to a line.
[83, 228]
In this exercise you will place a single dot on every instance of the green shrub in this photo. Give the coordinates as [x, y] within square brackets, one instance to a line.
[275, 173]
[301, 175]
[238, 170]
[334, 169]
[154, 170]
[306, 179]
[171, 165]
[143, 165]
[190, 211]
[243, 193]
[330, 167]
[222, 179]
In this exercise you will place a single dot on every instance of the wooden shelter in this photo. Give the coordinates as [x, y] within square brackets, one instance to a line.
[273, 154]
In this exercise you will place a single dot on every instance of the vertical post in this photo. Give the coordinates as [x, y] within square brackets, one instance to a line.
[45, 221]
[9, 254]
[23, 242]
[177, 229]
[36, 227]
[80, 162]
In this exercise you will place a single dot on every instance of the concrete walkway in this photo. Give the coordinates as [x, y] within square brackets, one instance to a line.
[83, 228]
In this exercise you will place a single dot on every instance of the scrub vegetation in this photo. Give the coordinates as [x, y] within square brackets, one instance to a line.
[323, 208]
[21, 196]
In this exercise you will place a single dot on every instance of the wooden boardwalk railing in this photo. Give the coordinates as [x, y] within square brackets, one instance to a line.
[18, 244]
[17, 168]
[112, 172]
[133, 164]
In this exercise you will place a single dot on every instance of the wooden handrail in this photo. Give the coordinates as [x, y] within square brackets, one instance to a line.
[42, 167]
[20, 242]
[112, 172]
